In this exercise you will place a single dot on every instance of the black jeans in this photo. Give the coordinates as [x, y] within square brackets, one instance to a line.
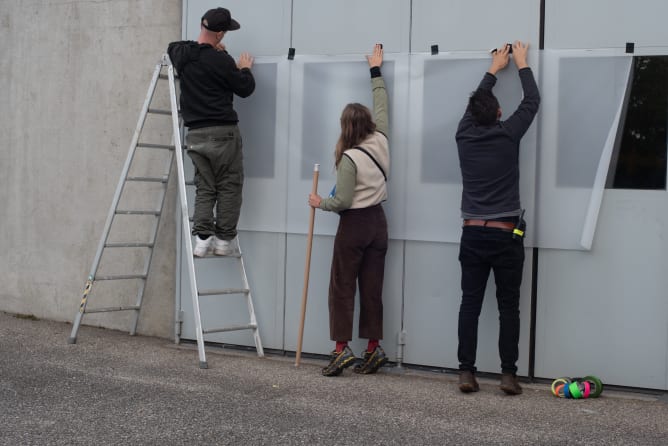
[482, 249]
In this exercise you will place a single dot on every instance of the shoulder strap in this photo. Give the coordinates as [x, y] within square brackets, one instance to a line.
[372, 159]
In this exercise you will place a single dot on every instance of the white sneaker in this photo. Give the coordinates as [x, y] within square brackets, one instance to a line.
[224, 247]
[201, 246]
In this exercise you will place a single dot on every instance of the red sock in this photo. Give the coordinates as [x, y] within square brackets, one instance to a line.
[373, 343]
[340, 345]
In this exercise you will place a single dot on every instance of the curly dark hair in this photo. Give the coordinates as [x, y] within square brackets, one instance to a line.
[484, 106]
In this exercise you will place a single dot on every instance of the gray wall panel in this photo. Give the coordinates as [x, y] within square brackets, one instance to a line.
[265, 25]
[605, 24]
[604, 312]
[433, 295]
[350, 26]
[316, 327]
[264, 255]
[464, 25]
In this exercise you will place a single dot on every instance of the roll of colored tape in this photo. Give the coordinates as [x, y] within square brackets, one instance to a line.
[574, 390]
[559, 390]
[558, 381]
[587, 389]
[596, 384]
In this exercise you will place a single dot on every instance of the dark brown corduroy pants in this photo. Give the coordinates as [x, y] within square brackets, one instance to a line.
[359, 257]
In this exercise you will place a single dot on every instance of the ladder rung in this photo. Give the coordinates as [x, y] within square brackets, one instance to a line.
[155, 146]
[137, 212]
[122, 277]
[231, 328]
[236, 254]
[158, 111]
[149, 179]
[129, 245]
[164, 76]
[190, 183]
[223, 291]
[107, 309]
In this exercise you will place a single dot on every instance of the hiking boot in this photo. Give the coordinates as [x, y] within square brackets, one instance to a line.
[371, 361]
[201, 246]
[224, 247]
[467, 382]
[338, 362]
[510, 384]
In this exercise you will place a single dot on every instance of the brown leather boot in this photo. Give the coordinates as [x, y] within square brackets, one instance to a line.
[510, 384]
[467, 382]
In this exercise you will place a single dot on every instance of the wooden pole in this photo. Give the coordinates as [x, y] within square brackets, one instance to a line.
[307, 267]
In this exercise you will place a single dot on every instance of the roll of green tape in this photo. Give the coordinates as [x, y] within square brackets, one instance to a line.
[596, 384]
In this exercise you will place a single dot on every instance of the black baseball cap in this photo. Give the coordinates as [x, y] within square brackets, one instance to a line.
[219, 19]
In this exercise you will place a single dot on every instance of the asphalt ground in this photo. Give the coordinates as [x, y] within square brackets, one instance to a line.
[113, 389]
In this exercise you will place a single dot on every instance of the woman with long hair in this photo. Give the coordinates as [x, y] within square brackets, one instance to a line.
[362, 165]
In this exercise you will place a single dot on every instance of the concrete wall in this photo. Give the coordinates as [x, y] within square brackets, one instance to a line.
[74, 77]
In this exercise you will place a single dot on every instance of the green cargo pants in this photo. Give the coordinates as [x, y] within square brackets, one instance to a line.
[217, 155]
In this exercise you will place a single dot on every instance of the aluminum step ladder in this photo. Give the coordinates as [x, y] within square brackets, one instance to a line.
[175, 148]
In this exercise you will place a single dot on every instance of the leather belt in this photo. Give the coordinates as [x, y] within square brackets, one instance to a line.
[505, 225]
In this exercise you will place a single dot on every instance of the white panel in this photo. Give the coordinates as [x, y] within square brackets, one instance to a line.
[314, 129]
[265, 33]
[605, 23]
[440, 87]
[581, 95]
[350, 26]
[465, 25]
[316, 327]
[433, 294]
[603, 312]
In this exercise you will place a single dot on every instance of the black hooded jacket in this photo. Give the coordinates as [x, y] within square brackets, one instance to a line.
[209, 81]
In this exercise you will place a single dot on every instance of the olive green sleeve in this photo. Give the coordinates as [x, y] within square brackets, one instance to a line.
[380, 113]
[346, 175]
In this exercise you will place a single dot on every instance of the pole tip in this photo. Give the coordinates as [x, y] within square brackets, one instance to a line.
[316, 167]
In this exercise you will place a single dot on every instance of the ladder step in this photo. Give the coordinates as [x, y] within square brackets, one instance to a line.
[129, 245]
[158, 111]
[223, 291]
[137, 212]
[230, 328]
[122, 277]
[155, 146]
[108, 309]
[236, 255]
[164, 76]
[149, 179]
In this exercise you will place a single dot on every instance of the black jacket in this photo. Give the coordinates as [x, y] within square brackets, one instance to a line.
[209, 79]
[489, 155]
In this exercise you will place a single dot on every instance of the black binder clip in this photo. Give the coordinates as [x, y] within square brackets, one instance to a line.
[434, 50]
[630, 47]
[291, 54]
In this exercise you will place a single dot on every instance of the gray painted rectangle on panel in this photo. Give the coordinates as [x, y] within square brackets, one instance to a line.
[327, 88]
[590, 90]
[257, 122]
[447, 85]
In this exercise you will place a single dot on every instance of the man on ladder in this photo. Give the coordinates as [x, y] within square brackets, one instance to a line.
[209, 79]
